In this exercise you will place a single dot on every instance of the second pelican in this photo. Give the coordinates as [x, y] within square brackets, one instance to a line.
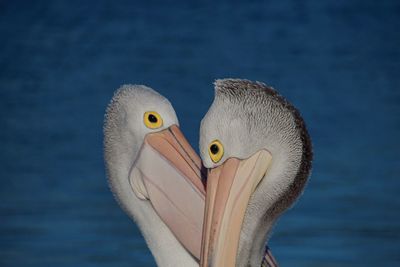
[258, 152]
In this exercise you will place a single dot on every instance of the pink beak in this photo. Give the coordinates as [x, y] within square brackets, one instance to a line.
[171, 176]
[229, 188]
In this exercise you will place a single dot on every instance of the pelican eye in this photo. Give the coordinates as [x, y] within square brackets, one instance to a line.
[152, 120]
[216, 151]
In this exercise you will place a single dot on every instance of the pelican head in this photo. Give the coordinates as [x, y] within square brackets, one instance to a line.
[258, 154]
[155, 174]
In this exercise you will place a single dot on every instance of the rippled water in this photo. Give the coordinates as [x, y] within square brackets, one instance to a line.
[337, 61]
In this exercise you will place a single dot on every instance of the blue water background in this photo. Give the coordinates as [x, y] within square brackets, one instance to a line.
[338, 61]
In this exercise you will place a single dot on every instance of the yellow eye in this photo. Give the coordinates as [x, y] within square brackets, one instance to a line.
[152, 120]
[216, 151]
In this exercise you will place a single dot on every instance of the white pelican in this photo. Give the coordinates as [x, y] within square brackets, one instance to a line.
[155, 174]
[258, 152]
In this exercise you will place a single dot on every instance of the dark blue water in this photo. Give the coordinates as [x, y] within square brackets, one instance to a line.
[60, 61]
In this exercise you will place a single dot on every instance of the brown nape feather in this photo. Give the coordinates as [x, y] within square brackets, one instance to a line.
[296, 188]
[237, 89]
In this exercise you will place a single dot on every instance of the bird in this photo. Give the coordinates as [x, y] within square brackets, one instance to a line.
[155, 174]
[258, 155]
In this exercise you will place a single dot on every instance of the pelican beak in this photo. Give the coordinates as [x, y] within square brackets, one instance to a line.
[167, 172]
[229, 188]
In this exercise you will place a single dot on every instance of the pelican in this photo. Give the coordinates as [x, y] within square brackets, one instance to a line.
[258, 153]
[155, 174]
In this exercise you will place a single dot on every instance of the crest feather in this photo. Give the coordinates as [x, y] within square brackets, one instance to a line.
[239, 88]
